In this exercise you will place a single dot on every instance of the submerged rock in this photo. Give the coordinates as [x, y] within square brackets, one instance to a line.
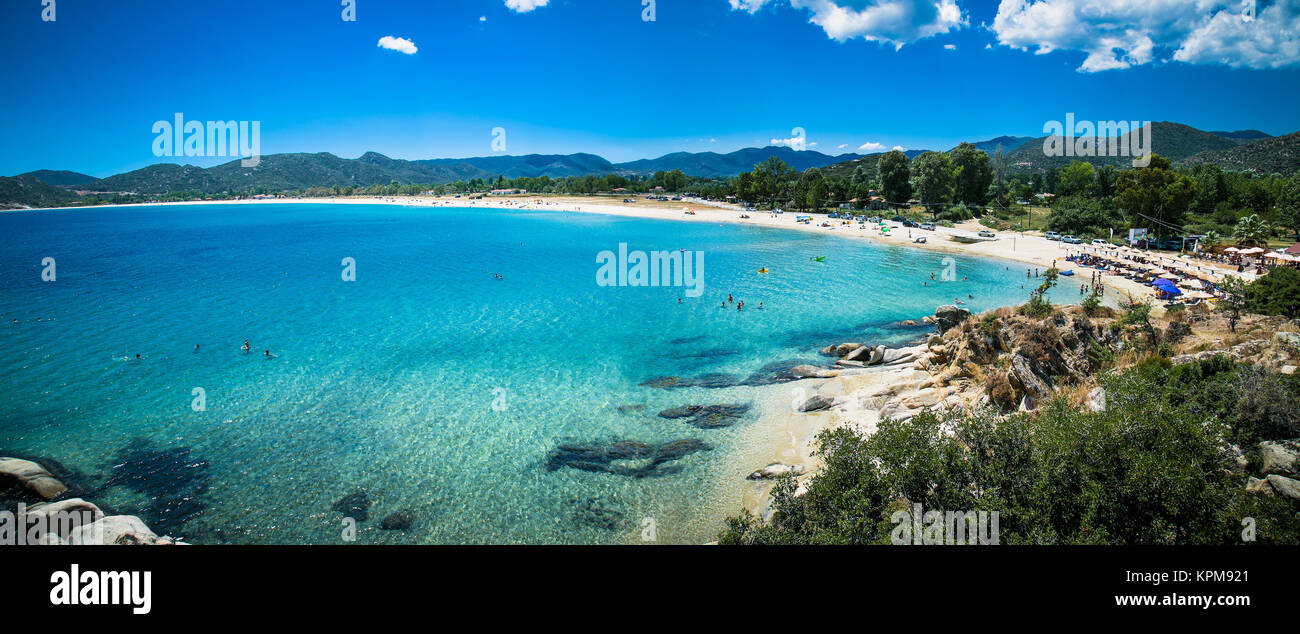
[398, 521]
[630, 458]
[708, 416]
[354, 505]
[595, 512]
[712, 381]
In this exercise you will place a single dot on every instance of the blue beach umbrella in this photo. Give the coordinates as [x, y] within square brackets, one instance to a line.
[1166, 286]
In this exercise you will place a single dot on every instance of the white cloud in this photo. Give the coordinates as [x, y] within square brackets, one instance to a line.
[524, 6]
[1119, 34]
[399, 44]
[482, 18]
[950, 47]
[872, 146]
[895, 22]
[841, 146]
[899, 148]
[794, 142]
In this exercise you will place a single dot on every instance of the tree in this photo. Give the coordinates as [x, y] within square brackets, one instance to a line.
[1277, 293]
[972, 174]
[1155, 191]
[1235, 296]
[1000, 169]
[895, 176]
[1288, 203]
[1077, 179]
[771, 177]
[1105, 185]
[934, 179]
[1251, 231]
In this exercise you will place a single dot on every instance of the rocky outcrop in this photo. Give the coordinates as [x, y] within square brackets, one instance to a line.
[775, 470]
[948, 317]
[30, 478]
[1021, 361]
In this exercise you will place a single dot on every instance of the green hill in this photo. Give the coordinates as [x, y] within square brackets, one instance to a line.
[1171, 140]
[61, 178]
[1274, 155]
[17, 192]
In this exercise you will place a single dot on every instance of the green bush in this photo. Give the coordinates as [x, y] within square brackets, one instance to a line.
[1149, 469]
[1277, 293]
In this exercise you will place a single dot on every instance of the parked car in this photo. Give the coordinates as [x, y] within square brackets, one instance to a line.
[898, 219]
[1052, 235]
[985, 233]
[1100, 242]
[909, 223]
[1071, 240]
[928, 226]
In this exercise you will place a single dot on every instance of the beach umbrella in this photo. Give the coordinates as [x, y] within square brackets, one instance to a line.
[1232, 250]
[1165, 285]
[1251, 251]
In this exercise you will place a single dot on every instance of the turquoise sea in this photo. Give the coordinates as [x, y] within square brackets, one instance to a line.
[429, 384]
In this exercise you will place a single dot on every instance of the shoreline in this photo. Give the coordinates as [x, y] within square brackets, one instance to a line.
[1025, 249]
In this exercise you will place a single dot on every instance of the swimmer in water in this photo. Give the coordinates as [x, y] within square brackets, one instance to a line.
[196, 347]
[245, 347]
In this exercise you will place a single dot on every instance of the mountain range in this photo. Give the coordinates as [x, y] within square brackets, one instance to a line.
[1184, 145]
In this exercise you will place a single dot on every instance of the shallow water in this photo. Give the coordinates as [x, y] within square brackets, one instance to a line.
[428, 383]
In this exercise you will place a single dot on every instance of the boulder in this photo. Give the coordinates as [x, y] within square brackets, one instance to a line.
[775, 470]
[877, 355]
[949, 316]
[844, 349]
[1281, 457]
[859, 354]
[892, 357]
[811, 372]
[30, 477]
[1257, 486]
[907, 322]
[124, 530]
[817, 403]
[1286, 487]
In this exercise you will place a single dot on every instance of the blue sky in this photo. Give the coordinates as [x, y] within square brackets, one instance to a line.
[83, 91]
